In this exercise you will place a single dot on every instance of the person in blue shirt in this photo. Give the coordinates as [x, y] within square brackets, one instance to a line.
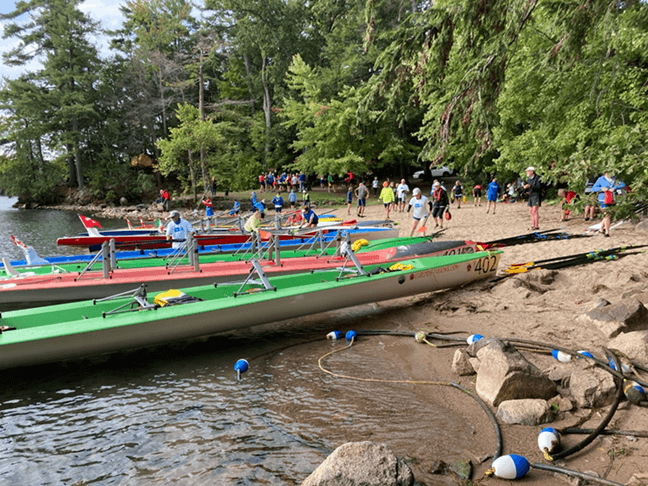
[278, 202]
[254, 201]
[292, 198]
[236, 209]
[310, 218]
[349, 199]
[302, 181]
[607, 187]
[491, 195]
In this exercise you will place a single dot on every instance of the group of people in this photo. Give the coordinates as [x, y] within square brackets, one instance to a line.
[271, 182]
[392, 196]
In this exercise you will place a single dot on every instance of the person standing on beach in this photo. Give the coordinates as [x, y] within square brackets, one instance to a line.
[387, 197]
[476, 192]
[491, 195]
[401, 193]
[278, 202]
[457, 193]
[607, 186]
[440, 202]
[330, 183]
[421, 205]
[292, 198]
[349, 199]
[374, 186]
[534, 186]
[361, 193]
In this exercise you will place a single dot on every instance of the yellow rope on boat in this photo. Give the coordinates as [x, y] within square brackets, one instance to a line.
[359, 244]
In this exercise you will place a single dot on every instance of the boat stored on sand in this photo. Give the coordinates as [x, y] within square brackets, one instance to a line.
[86, 328]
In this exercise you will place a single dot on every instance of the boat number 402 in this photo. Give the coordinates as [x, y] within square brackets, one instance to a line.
[486, 264]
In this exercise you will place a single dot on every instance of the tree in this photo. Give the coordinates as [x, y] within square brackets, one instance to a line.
[58, 32]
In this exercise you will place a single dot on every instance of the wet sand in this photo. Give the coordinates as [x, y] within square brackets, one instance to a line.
[522, 306]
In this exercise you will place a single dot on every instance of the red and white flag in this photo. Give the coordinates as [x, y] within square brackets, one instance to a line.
[17, 242]
[89, 222]
[130, 226]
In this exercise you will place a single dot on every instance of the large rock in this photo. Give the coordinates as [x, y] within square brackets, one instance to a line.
[634, 345]
[592, 387]
[612, 320]
[361, 464]
[461, 363]
[530, 411]
[504, 374]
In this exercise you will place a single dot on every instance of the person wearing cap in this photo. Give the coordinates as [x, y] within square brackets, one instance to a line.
[305, 197]
[534, 186]
[421, 204]
[178, 229]
[387, 197]
[209, 208]
[607, 186]
[361, 193]
[236, 209]
[440, 203]
[491, 195]
[310, 219]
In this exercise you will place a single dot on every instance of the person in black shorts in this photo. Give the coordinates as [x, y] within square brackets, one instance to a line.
[440, 202]
[476, 192]
[534, 187]
[457, 193]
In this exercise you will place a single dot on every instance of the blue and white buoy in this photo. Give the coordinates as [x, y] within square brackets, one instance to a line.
[511, 466]
[334, 335]
[548, 440]
[624, 367]
[474, 338]
[633, 391]
[560, 356]
[351, 336]
[241, 366]
[582, 352]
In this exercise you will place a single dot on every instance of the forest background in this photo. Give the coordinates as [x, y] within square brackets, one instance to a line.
[240, 87]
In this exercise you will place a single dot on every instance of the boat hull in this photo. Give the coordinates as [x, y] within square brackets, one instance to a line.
[78, 330]
[58, 288]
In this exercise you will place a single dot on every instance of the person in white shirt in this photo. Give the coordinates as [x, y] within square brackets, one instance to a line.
[401, 194]
[421, 205]
[178, 229]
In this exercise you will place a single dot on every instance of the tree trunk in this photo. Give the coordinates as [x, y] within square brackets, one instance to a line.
[77, 155]
[267, 103]
[201, 107]
[249, 81]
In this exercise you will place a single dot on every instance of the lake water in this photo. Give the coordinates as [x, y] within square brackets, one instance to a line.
[176, 414]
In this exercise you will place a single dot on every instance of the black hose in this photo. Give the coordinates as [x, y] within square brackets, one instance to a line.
[577, 474]
[498, 432]
[590, 438]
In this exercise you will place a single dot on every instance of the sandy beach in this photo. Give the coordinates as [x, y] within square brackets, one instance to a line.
[540, 305]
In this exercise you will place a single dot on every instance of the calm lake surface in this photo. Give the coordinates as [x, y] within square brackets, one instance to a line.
[176, 414]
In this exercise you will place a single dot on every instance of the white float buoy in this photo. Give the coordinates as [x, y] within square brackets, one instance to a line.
[420, 336]
[474, 338]
[511, 466]
[560, 356]
[241, 366]
[334, 335]
[351, 335]
[548, 440]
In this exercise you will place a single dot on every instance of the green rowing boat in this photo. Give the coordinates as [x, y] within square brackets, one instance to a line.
[135, 319]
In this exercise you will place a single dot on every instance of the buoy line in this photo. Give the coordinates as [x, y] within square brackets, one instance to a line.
[577, 474]
[496, 427]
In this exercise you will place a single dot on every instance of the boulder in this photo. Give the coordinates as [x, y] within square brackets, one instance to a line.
[361, 464]
[504, 374]
[611, 320]
[592, 387]
[642, 226]
[461, 363]
[123, 201]
[529, 411]
[634, 345]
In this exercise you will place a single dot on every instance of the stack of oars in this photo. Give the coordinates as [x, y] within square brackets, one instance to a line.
[573, 260]
[553, 234]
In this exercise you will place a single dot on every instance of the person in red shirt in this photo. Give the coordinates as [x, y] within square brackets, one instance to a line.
[164, 199]
[477, 192]
[567, 198]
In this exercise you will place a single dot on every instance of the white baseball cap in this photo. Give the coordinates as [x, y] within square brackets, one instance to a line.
[530, 169]
[173, 213]
[416, 191]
